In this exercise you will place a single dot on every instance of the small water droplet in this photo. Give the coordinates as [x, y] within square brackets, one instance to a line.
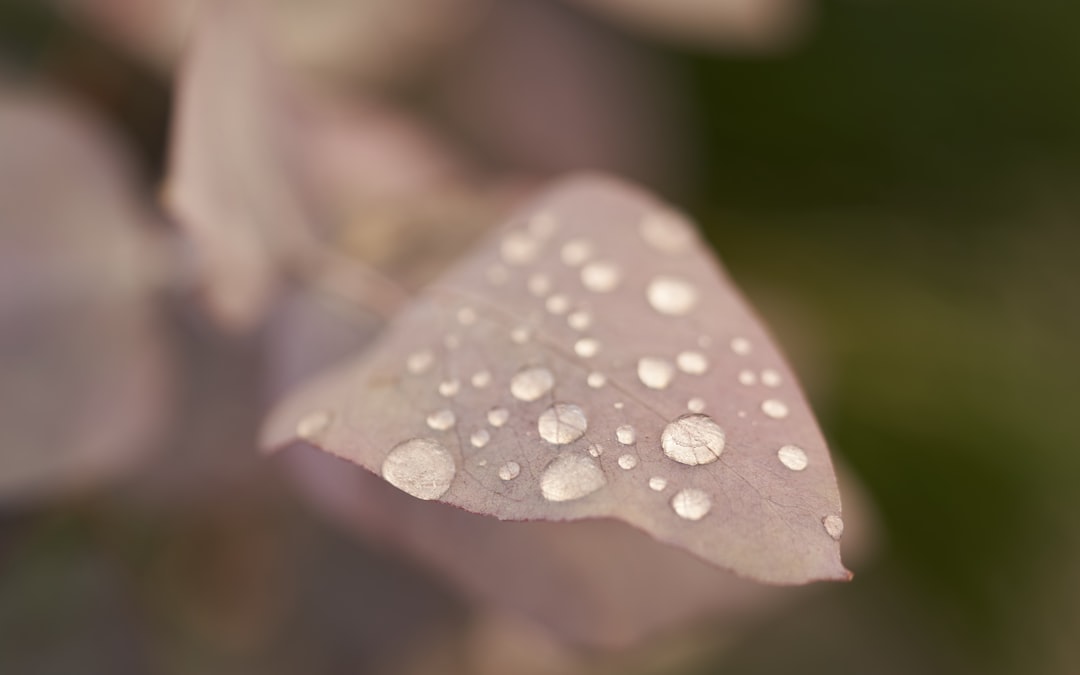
[696, 405]
[529, 384]
[627, 462]
[618, 405]
[571, 476]
[793, 457]
[520, 335]
[497, 417]
[596, 379]
[691, 503]
[419, 362]
[452, 341]
[693, 440]
[655, 373]
[441, 420]
[741, 413]
[539, 285]
[480, 438]
[770, 378]
[595, 450]
[497, 275]
[562, 423]
[692, 363]
[422, 467]
[579, 320]
[480, 379]
[665, 234]
[543, 225]
[626, 434]
[519, 248]
[741, 346]
[671, 296]
[586, 348]
[575, 252]
[747, 377]
[774, 408]
[557, 304]
[466, 316]
[601, 276]
[449, 388]
[314, 423]
[510, 470]
[657, 483]
[834, 525]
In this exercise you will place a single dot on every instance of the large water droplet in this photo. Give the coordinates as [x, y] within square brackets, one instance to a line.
[510, 470]
[774, 408]
[692, 363]
[571, 476]
[562, 423]
[575, 252]
[419, 362]
[529, 384]
[627, 462]
[655, 373]
[671, 296]
[793, 457]
[834, 525]
[587, 348]
[480, 438]
[601, 276]
[497, 417]
[626, 434]
[657, 483]
[313, 424]
[691, 503]
[519, 248]
[421, 467]
[441, 420]
[596, 380]
[449, 388]
[693, 440]
[663, 233]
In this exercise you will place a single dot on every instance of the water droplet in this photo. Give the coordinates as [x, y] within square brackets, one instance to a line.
[531, 383]
[747, 377]
[834, 525]
[741, 413]
[557, 304]
[520, 335]
[693, 440]
[579, 320]
[543, 225]
[519, 248]
[510, 470]
[452, 341]
[575, 252]
[691, 503]
[449, 388]
[596, 449]
[618, 405]
[770, 378]
[596, 380]
[586, 348]
[626, 434]
[539, 285]
[671, 296]
[497, 417]
[696, 405]
[497, 275]
[562, 423]
[665, 234]
[693, 363]
[441, 420]
[655, 373]
[419, 362]
[627, 462]
[601, 276]
[466, 316]
[480, 379]
[657, 483]
[480, 438]
[774, 408]
[313, 424]
[793, 457]
[741, 346]
[571, 476]
[421, 467]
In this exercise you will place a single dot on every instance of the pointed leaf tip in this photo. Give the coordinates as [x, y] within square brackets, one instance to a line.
[590, 360]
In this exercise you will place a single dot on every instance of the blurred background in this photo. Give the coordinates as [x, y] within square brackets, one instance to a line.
[894, 185]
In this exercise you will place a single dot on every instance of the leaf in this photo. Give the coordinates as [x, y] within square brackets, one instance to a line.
[589, 361]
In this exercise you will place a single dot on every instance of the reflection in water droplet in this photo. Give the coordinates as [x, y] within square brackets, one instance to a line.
[671, 296]
[313, 424]
[480, 379]
[466, 316]
[480, 438]
[774, 408]
[693, 363]
[657, 483]
[793, 457]
[441, 420]
[449, 388]
[601, 276]
[662, 232]
[693, 440]
[747, 377]
[520, 335]
[696, 405]
[627, 462]
[575, 252]
[579, 320]
[770, 378]
[691, 503]
[497, 417]
[655, 373]
[539, 285]
[741, 346]
[571, 476]
[596, 449]
[420, 361]
[626, 434]
[586, 348]
[421, 467]
[557, 304]
[519, 248]
[562, 423]
[834, 525]
[596, 380]
[531, 383]
[510, 470]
